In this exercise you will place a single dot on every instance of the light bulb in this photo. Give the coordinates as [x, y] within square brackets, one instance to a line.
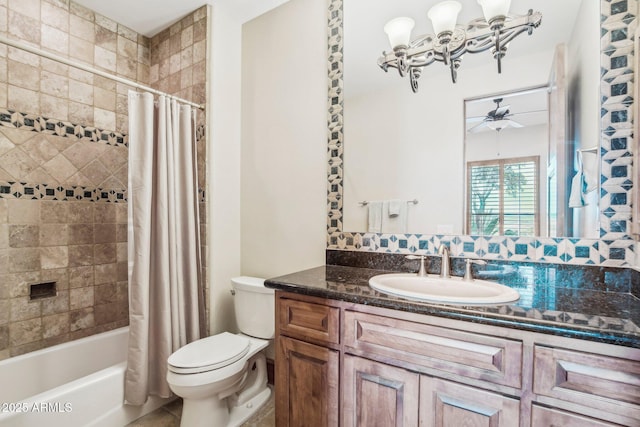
[444, 15]
[399, 31]
[494, 8]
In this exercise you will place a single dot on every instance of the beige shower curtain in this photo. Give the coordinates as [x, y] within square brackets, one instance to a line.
[165, 296]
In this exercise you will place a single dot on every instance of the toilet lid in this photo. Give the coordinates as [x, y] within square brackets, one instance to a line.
[209, 353]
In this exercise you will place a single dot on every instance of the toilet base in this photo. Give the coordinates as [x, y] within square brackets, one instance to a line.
[218, 414]
[240, 414]
[194, 411]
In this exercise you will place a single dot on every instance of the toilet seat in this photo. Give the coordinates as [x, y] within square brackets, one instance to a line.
[208, 354]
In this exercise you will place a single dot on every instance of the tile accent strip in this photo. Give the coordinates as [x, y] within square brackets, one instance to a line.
[32, 122]
[23, 190]
[615, 246]
[15, 119]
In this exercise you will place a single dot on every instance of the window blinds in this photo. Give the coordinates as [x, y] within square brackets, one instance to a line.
[503, 197]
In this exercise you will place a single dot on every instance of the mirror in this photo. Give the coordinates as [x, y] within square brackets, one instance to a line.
[507, 164]
[405, 146]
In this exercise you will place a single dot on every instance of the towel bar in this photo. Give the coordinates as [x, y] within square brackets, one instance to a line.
[365, 202]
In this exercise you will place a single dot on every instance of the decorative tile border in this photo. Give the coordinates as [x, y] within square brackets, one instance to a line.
[74, 193]
[23, 190]
[32, 122]
[615, 247]
[25, 121]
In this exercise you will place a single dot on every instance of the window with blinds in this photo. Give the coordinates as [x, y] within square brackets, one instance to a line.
[502, 197]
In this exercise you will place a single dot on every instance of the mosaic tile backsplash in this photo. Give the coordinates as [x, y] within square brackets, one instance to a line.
[614, 247]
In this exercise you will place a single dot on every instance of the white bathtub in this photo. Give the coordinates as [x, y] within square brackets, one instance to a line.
[79, 383]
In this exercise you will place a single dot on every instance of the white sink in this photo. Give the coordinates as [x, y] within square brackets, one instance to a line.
[452, 290]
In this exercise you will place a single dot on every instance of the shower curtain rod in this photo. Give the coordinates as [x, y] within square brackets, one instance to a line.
[92, 70]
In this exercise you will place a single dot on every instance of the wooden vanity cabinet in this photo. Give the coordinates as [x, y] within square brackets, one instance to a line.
[343, 364]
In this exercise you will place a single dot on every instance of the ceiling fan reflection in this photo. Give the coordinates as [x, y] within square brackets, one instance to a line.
[497, 119]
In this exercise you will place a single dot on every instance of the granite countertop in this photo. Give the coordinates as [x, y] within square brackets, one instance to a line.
[590, 314]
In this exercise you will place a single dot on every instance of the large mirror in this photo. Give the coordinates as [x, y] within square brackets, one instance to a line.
[410, 147]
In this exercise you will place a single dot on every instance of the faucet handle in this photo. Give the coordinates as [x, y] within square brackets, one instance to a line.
[468, 275]
[422, 271]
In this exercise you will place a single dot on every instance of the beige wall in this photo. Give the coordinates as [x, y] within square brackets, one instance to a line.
[223, 186]
[284, 143]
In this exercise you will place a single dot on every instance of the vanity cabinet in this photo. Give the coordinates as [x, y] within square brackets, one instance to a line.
[346, 364]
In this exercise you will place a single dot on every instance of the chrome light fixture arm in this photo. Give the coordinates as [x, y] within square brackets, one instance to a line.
[499, 33]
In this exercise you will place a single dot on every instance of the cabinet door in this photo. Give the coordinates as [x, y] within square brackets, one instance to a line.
[445, 404]
[307, 378]
[378, 395]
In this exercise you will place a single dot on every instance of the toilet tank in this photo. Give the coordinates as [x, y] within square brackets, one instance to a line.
[254, 307]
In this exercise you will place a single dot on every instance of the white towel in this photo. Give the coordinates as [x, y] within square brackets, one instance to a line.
[578, 186]
[394, 224]
[375, 217]
[589, 163]
[395, 206]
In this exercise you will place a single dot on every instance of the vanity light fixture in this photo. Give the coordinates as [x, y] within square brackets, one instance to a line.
[494, 31]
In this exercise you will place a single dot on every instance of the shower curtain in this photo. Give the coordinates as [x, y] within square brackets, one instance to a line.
[166, 306]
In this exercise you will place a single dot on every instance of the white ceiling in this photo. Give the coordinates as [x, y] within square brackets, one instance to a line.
[149, 17]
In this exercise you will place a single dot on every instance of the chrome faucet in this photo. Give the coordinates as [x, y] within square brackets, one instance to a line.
[443, 251]
[468, 274]
[422, 272]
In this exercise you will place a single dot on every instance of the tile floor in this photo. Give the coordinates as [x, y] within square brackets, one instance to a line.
[169, 416]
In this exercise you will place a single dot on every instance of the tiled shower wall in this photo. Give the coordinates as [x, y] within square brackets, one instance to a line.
[63, 167]
[51, 231]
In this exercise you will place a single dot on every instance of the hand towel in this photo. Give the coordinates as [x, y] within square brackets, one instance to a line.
[375, 217]
[576, 197]
[395, 206]
[394, 224]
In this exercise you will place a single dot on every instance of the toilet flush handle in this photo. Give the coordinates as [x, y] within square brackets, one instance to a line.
[232, 291]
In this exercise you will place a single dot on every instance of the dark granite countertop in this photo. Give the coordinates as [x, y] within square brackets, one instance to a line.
[589, 313]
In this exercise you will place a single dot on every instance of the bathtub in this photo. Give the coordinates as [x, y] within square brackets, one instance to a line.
[79, 383]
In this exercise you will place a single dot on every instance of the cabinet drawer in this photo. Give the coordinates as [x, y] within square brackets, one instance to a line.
[548, 417]
[604, 383]
[307, 320]
[481, 357]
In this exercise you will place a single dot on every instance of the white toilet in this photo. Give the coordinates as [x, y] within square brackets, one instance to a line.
[222, 379]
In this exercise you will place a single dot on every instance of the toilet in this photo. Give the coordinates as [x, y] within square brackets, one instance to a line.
[222, 379]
